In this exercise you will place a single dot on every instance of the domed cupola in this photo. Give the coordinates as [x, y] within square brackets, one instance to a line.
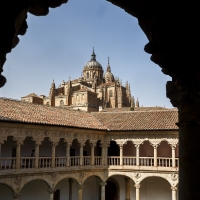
[108, 76]
[92, 69]
[92, 64]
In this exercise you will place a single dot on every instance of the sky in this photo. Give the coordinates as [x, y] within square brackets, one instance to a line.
[57, 46]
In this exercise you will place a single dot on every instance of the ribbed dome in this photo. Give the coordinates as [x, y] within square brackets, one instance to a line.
[92, 64]
[108, 76]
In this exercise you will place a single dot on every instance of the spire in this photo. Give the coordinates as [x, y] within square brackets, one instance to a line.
[137, 103]
[93, 56]
[53, 84]
[108, 67]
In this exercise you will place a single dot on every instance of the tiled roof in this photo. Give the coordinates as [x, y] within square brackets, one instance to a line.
[32, 95]
[107, 84]
[19, 111]
[139, 120]
[116, 109]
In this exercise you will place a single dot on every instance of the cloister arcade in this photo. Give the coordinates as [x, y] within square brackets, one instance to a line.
[86, 164]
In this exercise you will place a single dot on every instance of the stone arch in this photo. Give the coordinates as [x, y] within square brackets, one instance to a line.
[6, 190]
[61, 177]
[117, 185]
[28, 179]
[2, 181]
[164, 176]
[129, 175]
[97, 174]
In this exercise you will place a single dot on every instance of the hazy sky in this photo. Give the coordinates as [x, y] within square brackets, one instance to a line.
[58, 45]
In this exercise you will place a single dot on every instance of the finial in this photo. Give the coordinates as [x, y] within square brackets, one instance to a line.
[108, 60]
[53, 80]
[69, 78]
[93, 55]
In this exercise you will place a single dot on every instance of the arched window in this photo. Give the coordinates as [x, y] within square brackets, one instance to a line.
[88, 75]
[61, 103]
[110, 93]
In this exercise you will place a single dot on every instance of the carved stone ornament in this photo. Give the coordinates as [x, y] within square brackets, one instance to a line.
[80, 186]
[174, 177]
[173, 188]
[137, 186]
[103, 184]
[16, 195]
[19, 140]
[137, 142]
[155, 142]
[137, 175]
[82, 175]
[17, 180]
[173, 142]
[53, 177]
[50, 190]
[121, 143]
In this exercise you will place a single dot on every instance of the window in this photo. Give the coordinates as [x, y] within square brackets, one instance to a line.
[56, 195]
[82, 96]
[110, 93]
[88, 75]
[61, 103]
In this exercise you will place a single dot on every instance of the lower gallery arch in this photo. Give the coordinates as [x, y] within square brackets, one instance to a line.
[92, 188]
[66, 189]
[155, 188]
[119, 187]
[5, 192]
[35, 189]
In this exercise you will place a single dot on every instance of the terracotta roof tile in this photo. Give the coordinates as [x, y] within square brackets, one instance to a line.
[32, 95]
[19, 111]
[139, 120]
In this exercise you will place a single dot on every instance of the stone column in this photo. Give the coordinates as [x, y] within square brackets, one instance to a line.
[155, 143]
[37, 146]
[137, 144]
[184, 94]
[70, 188]
[128, 188]
[173, 156]
[15, 196]
[173, 143]
[121, 144]
[18, 155]
[92, 152]
[68, 144]
[103, 189]
[80, 192]
[104, 152]
[51, 193]
[137, 186]
[81, 153]
[174, 189]
[53, 153]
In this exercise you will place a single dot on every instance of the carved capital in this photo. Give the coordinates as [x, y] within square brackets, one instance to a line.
[137, 186]
[121, 143]
[173, 142]
[19, 140]
[173, 188]
[51, 190]
[155, 142]
[37, 141]
[80, 186]
[54, 141]
[103, 184]
[137, 142]
[105, 144]
[15, 196]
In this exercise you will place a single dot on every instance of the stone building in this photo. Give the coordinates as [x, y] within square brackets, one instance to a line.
[54, 153]
[92, 90]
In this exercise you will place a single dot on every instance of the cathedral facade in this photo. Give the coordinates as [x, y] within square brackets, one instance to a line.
[93, 91]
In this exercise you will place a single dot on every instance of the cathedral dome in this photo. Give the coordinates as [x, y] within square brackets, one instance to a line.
[108, 76]
[92, 64]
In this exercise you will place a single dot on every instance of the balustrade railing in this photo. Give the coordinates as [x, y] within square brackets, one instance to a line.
[164, 162]
[129, 160]
[61, 161]
[44, 162]
[113, 160]
[75, 161]
[7, 163]
[87, 160]
[97, 160]
[27, 162]
[146, 161]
